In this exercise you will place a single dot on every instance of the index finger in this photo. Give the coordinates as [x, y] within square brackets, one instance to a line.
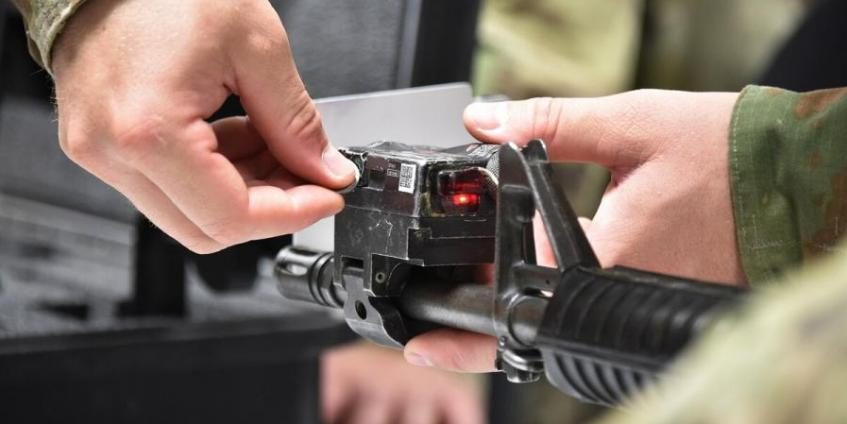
[208, 189]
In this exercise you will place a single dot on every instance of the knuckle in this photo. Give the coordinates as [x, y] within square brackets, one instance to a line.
[544, 112]
[456, 360]
[225, 232]
[263, 45]
[79, 146]
[136, 135]
[305, 125]
[268, 39]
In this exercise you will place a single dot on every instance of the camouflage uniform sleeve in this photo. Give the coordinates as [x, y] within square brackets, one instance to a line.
[788, 166]
[44, 20]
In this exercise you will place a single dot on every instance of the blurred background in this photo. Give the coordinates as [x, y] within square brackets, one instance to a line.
[102, 316]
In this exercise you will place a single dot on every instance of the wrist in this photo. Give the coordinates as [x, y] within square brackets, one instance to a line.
[71, 45]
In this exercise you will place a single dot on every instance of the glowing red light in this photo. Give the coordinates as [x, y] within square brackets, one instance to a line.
[465, 199]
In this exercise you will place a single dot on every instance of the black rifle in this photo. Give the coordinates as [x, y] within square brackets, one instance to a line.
[421, 220]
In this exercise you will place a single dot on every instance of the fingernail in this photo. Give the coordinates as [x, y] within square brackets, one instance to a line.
[419, 360]
[337, 163]
[353, 184]
[487, 116]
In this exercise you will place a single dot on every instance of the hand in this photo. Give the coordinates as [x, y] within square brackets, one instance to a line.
[368, 384]
[667, 208]
[135, 81]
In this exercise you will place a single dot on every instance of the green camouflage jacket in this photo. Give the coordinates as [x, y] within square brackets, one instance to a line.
[781, 359]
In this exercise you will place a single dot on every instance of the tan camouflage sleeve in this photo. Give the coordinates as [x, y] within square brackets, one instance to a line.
[44, 20]
[788, 170]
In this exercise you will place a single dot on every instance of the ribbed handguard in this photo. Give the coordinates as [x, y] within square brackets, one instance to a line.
[607, 333]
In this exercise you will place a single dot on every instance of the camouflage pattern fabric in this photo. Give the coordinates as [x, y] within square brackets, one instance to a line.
[788, 166]
[568, 48]
[713, 45]
[44, 20]
[530, 48]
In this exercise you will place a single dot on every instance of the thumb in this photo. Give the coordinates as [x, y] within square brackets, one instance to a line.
[576, 130]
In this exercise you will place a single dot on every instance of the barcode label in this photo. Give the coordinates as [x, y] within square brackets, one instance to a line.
[407, 178]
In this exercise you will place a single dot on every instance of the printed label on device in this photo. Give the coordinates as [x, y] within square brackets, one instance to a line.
[407, 178]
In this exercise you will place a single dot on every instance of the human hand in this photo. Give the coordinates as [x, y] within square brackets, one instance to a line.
[667, 208]
[363, 383]
[135, 81]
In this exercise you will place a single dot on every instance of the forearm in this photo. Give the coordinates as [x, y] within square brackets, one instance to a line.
[788, 171]
[44, 20]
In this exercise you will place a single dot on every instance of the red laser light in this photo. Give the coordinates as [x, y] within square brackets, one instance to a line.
[465, 199]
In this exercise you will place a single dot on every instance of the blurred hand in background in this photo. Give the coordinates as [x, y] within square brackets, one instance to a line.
[136, 81]
[666, 209]
[368, 384]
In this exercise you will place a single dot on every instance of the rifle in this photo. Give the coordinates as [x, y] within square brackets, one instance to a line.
[420, 220]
